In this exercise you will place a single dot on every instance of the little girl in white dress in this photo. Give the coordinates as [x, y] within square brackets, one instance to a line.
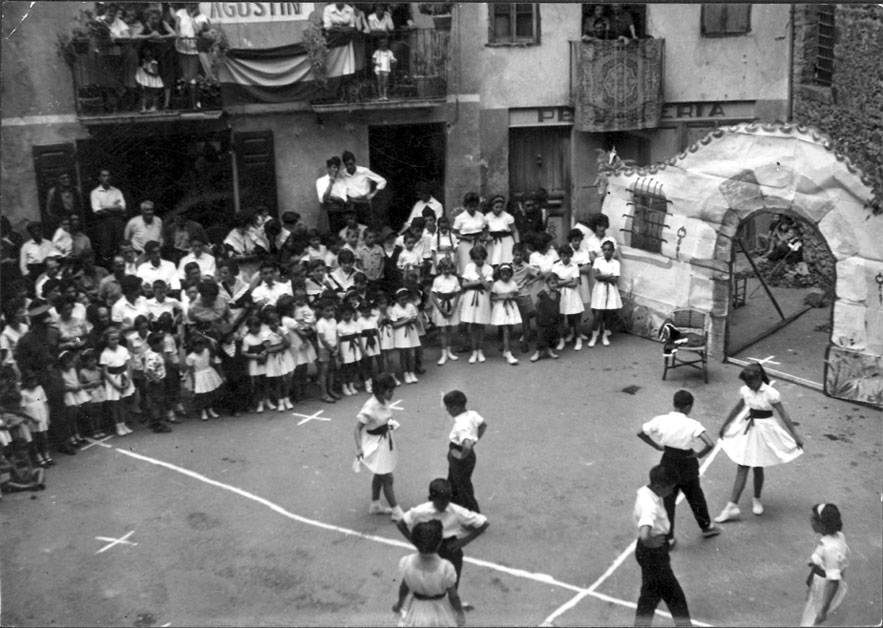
[504, 308]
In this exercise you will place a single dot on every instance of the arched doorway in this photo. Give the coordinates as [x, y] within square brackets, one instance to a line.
[783, 287]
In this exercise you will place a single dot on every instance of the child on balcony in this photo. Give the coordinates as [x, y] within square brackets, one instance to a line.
[384, 62]
[150, 81]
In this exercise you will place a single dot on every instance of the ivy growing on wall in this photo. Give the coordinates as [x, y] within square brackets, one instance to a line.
[854, 117]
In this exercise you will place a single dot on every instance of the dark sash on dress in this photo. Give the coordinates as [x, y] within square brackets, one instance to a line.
[756, 414]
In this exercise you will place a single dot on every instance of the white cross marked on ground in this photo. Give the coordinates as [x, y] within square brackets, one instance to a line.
[310, 417]
[394, 405]
[518, 573]
[113, 541]
[766, 360]
[97, 441]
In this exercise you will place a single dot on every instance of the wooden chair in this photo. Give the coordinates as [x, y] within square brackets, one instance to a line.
[687, 333]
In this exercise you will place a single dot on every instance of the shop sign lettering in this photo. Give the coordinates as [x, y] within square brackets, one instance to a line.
[707, 110]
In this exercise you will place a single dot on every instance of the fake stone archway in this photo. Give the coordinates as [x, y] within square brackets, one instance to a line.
[720, 181]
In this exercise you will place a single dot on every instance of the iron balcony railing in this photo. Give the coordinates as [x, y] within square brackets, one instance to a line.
[420, 72]
[113, 77]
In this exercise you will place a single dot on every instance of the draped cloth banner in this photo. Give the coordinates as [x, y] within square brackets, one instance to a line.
[618, 85]
[283, 74]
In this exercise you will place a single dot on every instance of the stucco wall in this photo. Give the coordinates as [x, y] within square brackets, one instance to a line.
[746, 67]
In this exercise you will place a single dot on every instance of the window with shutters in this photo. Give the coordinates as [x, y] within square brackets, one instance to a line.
[649, 210]
[824, 67]
[725, 19]
[513, 23]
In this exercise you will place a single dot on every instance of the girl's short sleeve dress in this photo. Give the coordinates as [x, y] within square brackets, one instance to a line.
[379, 451]
[433, 582]
[759, 442]
[831, 556]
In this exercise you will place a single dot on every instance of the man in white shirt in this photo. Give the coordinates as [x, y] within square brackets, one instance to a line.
[144, 228]
[331, 189]
[129, 306]
[34, 251]
[674, 434]
[338, 15]
[157, 268]
[459, 525]
[362, 185]
[197, 254]
[269, 290]
[109, 207]
[658, 581]
[425, 199]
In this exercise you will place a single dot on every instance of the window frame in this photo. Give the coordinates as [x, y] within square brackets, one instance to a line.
[513, 39]
[823, 66]
[725, 6]
[649, 208]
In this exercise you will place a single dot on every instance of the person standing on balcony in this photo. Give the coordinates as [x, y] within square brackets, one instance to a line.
[144, 228]
[189, 22]
[338, 15]
[380, 22]
[362, 185]
[622, 24]
[158, 35]
[331, 189]
[384, 63]
[109, 207]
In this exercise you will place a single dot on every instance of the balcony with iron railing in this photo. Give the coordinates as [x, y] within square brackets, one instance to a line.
[615, 85]
[418, 78]
[114, 79]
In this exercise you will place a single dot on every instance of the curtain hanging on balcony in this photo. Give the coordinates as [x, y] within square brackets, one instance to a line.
[618, 86]
[283, 74]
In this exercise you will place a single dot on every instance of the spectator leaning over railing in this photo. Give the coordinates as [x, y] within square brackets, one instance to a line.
[338, 15]
[189, 23]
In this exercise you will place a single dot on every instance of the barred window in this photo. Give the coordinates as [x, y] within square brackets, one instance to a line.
[648, 218]
[824, 70]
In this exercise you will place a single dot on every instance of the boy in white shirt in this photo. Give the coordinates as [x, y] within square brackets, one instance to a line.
[469, 427]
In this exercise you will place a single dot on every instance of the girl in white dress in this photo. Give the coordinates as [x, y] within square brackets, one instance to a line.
[117, 372]
[469, 225]
[349, 335]
[74, 397]
[582, 259]
[444, 243]
[501, 228]
[387, 338]
[754, 439]
[376, 447]
[206, 380]
[280, 362]
[475, 304]
[93, 384]
[504, 308]
[445, 297]
[372, 360]
[403, 318]
[825, 585]
[35, 404]
[431, 580]
[256, 355]
[605, 295]
[572, 306]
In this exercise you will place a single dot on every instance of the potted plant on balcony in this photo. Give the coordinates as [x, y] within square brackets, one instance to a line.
[84, 27]
[440, 13]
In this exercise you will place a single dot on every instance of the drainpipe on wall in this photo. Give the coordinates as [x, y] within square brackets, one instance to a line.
[791, 68]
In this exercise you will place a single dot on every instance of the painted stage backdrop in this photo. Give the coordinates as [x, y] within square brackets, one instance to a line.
[697, 200]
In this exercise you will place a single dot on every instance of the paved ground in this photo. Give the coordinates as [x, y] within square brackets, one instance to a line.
[260, 521]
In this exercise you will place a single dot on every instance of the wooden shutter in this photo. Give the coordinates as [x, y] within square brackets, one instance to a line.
[256, 169]
[49, 162]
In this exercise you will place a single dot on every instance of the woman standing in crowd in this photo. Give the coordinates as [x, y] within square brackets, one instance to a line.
[469, 225]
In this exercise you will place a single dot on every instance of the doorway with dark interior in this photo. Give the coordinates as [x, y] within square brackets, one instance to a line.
[783, 290]
[406, 154]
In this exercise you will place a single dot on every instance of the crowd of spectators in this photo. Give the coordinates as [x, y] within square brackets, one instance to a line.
[148, 315]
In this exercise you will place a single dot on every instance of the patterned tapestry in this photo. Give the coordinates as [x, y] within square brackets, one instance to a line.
[618, 85]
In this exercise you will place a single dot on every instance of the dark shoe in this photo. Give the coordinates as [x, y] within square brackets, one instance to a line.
[524, 347]
[711, 531]
[159, 428]
[49, 461]
[420, 370]
[67, 449]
